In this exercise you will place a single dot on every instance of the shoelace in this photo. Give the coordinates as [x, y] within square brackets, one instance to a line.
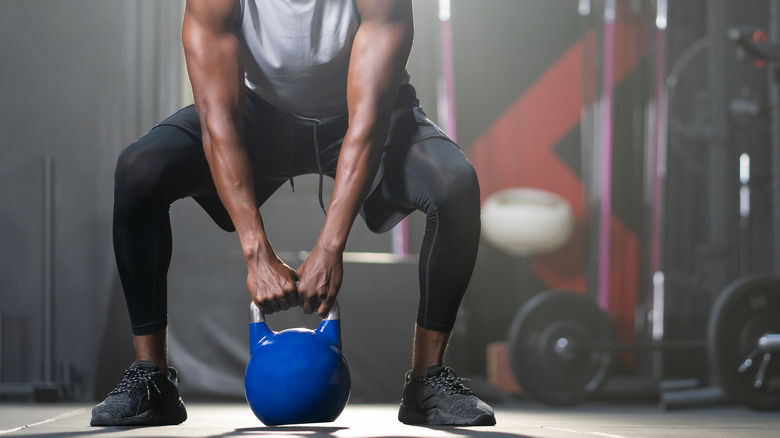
[449, 383]
[135, 379]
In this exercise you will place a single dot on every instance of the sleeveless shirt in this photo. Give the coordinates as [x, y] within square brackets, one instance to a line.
[296, 53]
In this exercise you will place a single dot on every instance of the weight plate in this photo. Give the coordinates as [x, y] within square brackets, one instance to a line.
[746, 310]
[548, 351]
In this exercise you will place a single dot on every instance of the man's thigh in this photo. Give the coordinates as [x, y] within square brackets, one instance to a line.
[265, 148]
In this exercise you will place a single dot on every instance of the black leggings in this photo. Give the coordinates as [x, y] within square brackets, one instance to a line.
[166, 164]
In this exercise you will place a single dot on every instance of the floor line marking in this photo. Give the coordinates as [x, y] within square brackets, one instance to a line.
[58, 417]
[561, 429]
[608, 435]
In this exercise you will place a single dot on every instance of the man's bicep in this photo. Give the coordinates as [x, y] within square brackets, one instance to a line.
[211, 48]
[385, 11]
[216, 16]
[383, 40]
[209, 25]
[379, 55]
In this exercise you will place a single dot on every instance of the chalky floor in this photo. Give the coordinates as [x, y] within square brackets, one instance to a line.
[521, 420]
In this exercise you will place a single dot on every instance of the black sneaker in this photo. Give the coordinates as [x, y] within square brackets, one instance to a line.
[440, 398]
[145, 397]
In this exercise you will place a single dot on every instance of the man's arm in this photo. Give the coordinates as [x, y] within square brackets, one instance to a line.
[212, 51]
[379, 56]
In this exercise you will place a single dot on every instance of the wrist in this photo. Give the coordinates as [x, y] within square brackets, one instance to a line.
[331, 245]
[255, 246]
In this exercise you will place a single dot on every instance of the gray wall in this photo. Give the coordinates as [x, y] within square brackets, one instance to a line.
[80, 79]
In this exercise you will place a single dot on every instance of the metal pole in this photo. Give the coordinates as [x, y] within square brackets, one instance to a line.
[448, 69]
[658, 176]
[591, 134]
[774, 87]
[715, 267]
[605, 216]
[659, 153]
[48, 270]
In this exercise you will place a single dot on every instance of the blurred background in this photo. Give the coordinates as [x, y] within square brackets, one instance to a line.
[642, 118]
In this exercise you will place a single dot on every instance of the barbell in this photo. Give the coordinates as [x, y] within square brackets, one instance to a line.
[561, 345]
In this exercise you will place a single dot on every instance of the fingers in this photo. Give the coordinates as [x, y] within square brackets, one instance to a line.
[320, 280]
[313, 286]
[269, 306]
[319, 297]
[318, 302]
[315, 303]
[274, 288]
[310, 303]
[293, 299]
[289, 299]
[324, 308]
[276, 303]
[292, 296]
[309, 300]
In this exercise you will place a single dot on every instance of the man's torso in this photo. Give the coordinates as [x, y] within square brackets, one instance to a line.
[297, 53]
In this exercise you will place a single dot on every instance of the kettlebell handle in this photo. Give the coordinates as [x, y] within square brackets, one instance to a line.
[257, 315]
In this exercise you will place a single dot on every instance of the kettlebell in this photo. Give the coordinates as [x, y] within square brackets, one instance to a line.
[296, 375]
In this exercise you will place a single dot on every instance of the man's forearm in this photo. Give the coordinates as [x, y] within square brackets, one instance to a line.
[358, 164]
[214, 64]
[379, 54]
[233, 178]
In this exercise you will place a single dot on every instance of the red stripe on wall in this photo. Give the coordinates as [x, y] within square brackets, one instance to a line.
[518, 149]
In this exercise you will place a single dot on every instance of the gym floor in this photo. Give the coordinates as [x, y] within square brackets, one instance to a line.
[517, 420]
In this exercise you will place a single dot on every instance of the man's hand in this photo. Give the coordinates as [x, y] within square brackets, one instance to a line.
[320, 280]
[271, 283]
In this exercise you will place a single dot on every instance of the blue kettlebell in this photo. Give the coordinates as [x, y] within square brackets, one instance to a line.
[296, 375]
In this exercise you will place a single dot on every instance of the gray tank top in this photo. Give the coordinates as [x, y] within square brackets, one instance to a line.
[297, 53]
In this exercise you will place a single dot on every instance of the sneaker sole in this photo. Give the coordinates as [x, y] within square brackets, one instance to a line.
[176, 415]
[437, 417]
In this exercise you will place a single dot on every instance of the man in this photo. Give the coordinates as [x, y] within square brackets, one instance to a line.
[284, 88]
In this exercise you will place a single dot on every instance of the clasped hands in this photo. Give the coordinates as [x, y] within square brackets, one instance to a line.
[275, 286]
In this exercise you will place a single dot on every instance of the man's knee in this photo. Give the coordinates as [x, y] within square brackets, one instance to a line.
[127, 175]
[460, 190]
[468, 182]
[136, 176]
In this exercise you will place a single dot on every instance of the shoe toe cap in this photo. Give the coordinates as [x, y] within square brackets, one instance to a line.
[102, 418]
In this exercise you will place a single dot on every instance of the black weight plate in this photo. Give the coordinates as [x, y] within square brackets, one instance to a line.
[549, 375]
[747, 309]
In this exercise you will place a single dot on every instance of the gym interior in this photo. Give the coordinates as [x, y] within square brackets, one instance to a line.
[628, 275]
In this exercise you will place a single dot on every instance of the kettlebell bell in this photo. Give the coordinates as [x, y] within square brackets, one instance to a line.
[296, 375]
